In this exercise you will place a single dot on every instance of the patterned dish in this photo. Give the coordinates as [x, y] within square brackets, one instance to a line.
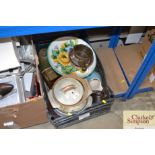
[58, 57]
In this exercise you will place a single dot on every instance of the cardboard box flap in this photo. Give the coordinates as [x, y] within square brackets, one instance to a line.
[130, 59]
[24, 115]
[114, 76]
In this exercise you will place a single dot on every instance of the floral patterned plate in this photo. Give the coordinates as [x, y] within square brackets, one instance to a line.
[58, 57]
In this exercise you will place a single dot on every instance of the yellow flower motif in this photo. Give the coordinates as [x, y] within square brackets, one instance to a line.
[63, 58]
[73, 73]
[55, 60]
[63, 45]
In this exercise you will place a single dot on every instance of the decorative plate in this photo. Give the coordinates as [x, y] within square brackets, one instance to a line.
[58, 57]
[68, 91]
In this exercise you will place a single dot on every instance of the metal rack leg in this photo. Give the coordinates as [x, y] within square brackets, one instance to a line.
[143, 71]
[115, 37]
[125, 76]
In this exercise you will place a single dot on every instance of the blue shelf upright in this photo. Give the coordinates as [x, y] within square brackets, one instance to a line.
[115, 37]
[143, 71]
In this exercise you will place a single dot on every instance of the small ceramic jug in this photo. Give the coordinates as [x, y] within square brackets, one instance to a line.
[95, 81]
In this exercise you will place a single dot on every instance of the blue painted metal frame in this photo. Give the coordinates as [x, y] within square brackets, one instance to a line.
[12, 31]
[125, 76]
[143, 71]
[115, 37]
[140, 90]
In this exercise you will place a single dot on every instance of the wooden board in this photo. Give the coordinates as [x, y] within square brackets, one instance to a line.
[130, 58]
[114, 75]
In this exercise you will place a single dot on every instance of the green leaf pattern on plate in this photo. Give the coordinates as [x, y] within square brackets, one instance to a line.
[66, 46]
[68, 69]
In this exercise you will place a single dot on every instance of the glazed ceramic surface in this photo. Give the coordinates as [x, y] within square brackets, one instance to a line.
[95, 81]
[58, 57]
[68, 91]
[78, 110]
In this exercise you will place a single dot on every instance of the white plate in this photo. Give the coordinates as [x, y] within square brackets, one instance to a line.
[68, 91]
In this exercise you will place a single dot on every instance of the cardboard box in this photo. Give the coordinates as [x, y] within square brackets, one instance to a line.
[32, 112]
[135, 34]
[114, 76]
[147, 41]
[144, 48]
[24, 115]
[131, 60]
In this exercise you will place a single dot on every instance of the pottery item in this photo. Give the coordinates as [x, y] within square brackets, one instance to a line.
[95, 81]
[68, 91]
[58, 54]
[69, 94]
[87, 105]
[81, 56]
[102, 96]
[48, 73]
[98, 96]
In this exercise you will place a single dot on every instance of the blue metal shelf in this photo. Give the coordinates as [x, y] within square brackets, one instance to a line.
[143, 71]
[137, 89]
[11, 31]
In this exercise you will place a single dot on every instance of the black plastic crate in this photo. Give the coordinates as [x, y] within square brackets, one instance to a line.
[95, 110]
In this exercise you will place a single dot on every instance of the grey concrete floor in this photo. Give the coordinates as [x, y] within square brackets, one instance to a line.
[113, 119]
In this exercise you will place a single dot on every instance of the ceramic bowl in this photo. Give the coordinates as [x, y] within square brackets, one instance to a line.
[81, 56]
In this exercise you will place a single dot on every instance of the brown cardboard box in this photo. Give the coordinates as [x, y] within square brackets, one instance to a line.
[114, 76]
[26, 114]
[131, 60]
[146, 42]
[145, 46]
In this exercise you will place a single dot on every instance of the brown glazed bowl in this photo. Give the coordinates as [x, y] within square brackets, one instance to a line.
[81, 56]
